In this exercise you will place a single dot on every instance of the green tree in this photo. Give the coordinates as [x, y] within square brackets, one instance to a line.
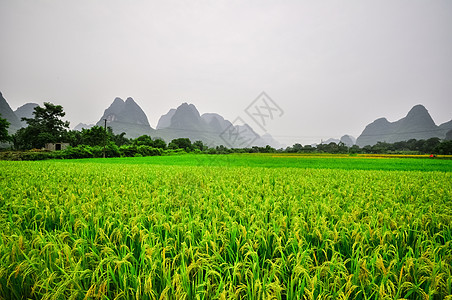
[445, 148]
[430, 145]
[94, 136]
[199, 145]
[4, 136]
[308, 149]
[297, 147]
[118, 139]
[73, 137]
[181, 143]
[355, 149]
[159, 143]
[144, 140]
[45, 127]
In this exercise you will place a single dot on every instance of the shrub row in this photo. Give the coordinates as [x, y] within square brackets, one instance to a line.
[84, 151]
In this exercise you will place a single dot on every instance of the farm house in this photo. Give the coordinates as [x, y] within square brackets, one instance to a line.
[56, 146]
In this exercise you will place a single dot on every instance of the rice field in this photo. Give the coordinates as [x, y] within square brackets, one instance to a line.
[226, 227]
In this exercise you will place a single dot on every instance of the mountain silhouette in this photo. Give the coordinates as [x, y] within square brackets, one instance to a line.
[126, 116]
[165, 120]
[7, 113]
[446, 126]
[187, 117]
[185, 121]
[418, 124]
[25, 111]
[211, 128]
[81, 126]
[348, 140]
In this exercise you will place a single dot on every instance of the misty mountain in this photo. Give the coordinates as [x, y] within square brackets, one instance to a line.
[187, 118]
[446, 126]
[25, 111]
[330, 140]
[183, 122]
[81, 126]
[7, 113]
[126, 116]
[448, 135]
[186, 122]
[418, 124]
[216, 122]
[348, 140]
[165, 120]
[211, 128]
[269, 140]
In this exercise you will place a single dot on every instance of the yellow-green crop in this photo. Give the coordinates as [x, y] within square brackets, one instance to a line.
[136, 231]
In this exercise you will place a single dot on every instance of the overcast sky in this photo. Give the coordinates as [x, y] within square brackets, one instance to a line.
[331, 66]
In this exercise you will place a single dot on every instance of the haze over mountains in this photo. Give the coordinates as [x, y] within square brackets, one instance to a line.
[418, 124]
[213, 129]
[25, 111]
[183, 121]
[126, 116]
[8, 114]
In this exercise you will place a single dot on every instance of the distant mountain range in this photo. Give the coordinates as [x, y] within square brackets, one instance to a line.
[213, 129]
[348, 140]
[418, 124]
[184, 121]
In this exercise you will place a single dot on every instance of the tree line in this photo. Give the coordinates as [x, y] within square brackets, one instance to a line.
[47, 126]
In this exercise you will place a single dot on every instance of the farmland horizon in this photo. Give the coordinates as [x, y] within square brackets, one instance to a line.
[251, 121]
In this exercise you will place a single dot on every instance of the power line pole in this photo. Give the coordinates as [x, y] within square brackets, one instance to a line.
[105, 135]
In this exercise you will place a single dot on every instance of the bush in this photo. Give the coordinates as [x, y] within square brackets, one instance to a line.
[128, 150]
[149, 151]
[98, 151]
[174, 152]
[81, 151]
[142, 150]
[36, 155]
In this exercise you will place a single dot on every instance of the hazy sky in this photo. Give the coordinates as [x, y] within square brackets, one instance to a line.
[331, 66]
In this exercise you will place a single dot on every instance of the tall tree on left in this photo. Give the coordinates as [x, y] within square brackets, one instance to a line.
[45, 127]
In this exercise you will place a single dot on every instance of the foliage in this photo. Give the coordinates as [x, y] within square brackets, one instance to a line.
[84, 151]
[45, 127]
[332, 148]
[142, 150]
[4, 136]
[118, 139]
[432, 145]
[199, 145]
[171, 152]
[445, 148]
[181, 143]
[85, 230]
[159, 143]
[94, 136]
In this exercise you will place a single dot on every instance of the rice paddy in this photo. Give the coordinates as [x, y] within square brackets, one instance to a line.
[226, 227]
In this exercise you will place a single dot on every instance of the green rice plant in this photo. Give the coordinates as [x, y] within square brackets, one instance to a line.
[112, 229]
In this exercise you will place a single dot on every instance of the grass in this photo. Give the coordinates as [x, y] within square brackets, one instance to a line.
[246, 227]
[316, 161]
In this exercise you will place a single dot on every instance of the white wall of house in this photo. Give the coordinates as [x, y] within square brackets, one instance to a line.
[56, 146]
